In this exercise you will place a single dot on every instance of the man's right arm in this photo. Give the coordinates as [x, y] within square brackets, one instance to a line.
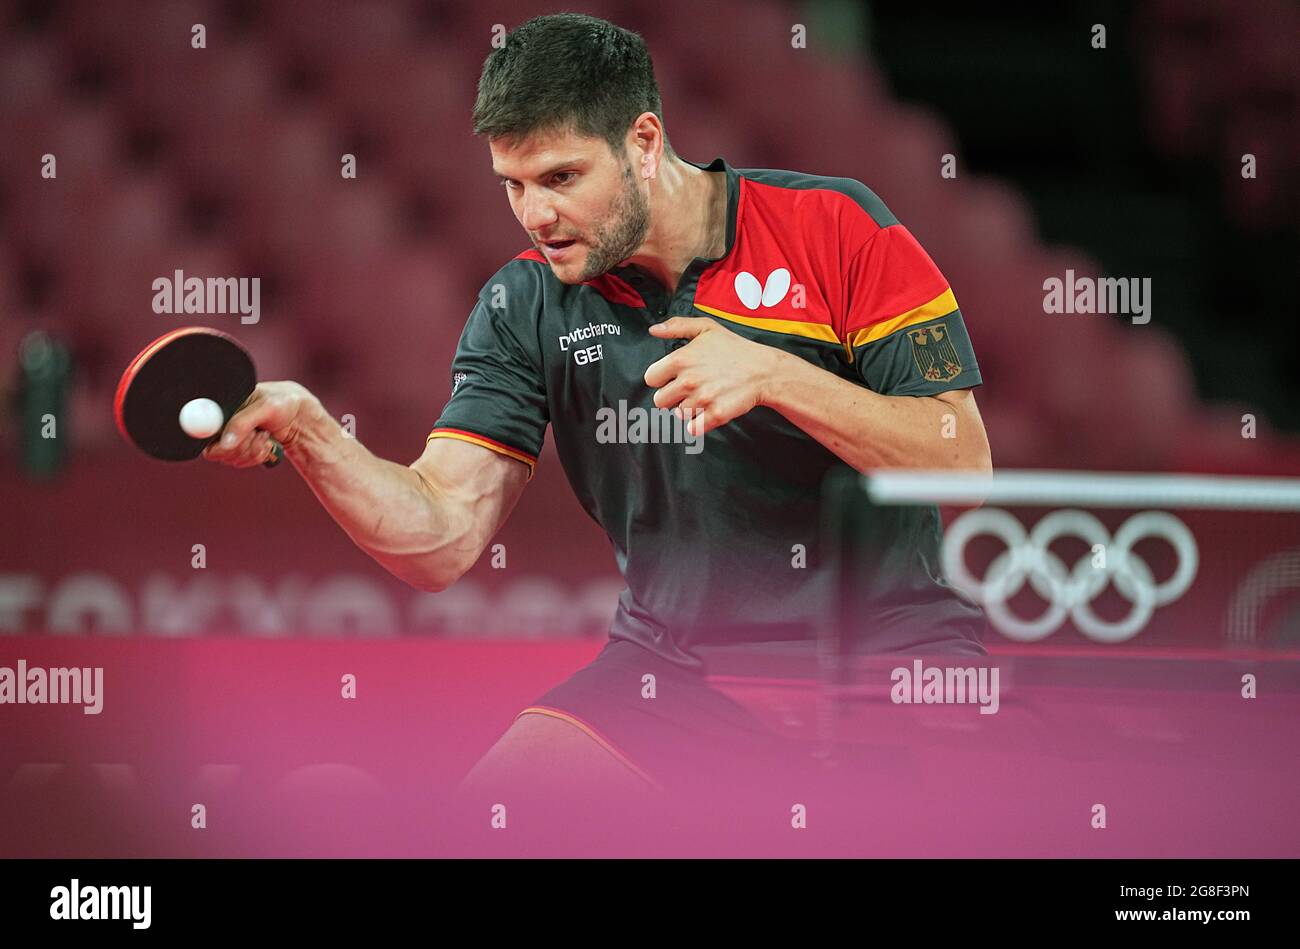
[426, 524]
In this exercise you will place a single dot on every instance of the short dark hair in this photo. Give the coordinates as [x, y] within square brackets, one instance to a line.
[567, 71]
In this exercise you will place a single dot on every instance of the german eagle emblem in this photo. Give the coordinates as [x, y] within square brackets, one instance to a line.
[934, 353]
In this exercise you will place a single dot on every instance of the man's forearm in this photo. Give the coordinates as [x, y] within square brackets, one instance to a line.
[868, 430]
[389, 510]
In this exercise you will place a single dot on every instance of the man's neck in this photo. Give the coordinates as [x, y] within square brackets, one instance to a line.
[688, 214]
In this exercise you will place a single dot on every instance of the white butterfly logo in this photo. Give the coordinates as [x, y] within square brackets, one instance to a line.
[752, 294]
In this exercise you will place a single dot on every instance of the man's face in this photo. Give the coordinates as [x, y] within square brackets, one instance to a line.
[567, 188]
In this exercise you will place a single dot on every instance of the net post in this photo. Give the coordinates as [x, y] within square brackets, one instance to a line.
[843, 502]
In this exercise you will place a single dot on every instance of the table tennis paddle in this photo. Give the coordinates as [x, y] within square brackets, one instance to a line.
[193, 362]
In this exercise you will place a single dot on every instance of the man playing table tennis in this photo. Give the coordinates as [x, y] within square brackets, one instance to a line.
[789, 318]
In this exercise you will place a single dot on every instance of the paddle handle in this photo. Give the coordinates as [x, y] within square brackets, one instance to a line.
[276, 456]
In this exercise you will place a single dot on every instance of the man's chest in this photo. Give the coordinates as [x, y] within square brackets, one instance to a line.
[599, 357]
[602, 412]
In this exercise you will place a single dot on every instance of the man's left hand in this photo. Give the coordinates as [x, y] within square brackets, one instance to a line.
[716, 377]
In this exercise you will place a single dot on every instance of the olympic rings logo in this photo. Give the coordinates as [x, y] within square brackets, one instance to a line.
[1069, 592]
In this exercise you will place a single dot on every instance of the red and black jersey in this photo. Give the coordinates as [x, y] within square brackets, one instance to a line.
[717, 537]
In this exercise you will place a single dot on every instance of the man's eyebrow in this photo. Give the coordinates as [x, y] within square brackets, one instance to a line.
[545, 174]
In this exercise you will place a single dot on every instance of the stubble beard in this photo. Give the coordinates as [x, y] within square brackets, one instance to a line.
[627, 224]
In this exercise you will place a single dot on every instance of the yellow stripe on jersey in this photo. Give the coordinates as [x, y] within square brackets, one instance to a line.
[819, 331]
[497, 447]
[941, 305]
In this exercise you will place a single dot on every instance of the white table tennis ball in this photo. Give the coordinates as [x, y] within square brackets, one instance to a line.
[201, 418]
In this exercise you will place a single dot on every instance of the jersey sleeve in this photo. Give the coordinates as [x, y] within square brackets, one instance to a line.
[498, 397]
[902, 326]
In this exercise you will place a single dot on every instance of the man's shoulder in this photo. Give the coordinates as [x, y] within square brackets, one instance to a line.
[526, 272]
[526, 283]
[799, 181]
